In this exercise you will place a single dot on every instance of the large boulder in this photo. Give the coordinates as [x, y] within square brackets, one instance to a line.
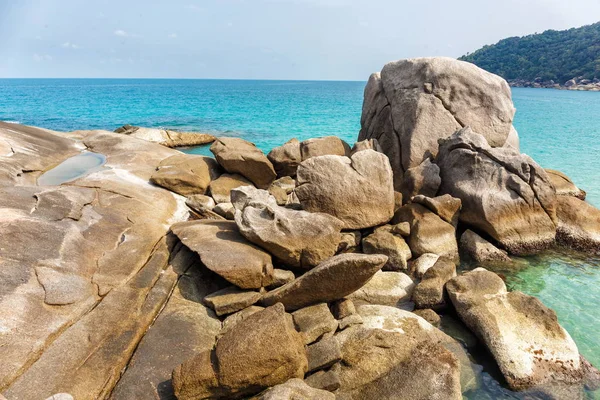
[357, 190]
[323, 146]
[578, 224]
[226, 252]
[430, 293]
[186, 174]
[424, 179]
[297, 238]
[286, 158]
[331, 280]
[413, 103]
[261, 351]
[504, 194]
[564, 185]
[384, 241]
[220, 189]
[523, 335]
[480, 250]
[388, 288]
[239, 156]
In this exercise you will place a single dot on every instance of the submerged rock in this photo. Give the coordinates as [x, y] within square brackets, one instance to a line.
[331, 280]
[356, 190]
[238, 156]
[504, 194]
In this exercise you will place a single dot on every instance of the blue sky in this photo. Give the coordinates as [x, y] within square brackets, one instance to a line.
[258, 39]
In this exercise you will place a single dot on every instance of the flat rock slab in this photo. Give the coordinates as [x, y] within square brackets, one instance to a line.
[331, 280]
[186, 174]
[226, 252]
[231, 299]
[387, 288]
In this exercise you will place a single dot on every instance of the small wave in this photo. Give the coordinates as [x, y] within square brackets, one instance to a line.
[12, 122]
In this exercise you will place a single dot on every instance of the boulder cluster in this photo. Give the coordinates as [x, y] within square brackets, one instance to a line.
[317, 271]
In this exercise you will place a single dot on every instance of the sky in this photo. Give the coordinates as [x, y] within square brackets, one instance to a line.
[258, 39]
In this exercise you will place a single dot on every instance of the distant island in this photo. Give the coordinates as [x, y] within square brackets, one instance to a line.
[567, 59]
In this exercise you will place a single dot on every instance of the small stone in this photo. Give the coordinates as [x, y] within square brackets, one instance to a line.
[323, 354]
[326, 380]
[200, 202]
[281, 277]
[430, 316]
[350, 320]
[422, 264]
[231, 299]
[402, 229]
[343, 308]
[314, 321]
[226, 210]
[369, 144]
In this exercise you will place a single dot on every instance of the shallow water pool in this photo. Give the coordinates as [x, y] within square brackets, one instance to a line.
[72, 168]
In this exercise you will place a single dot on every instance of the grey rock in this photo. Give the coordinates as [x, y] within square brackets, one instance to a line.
[445, 206]
[225, 210]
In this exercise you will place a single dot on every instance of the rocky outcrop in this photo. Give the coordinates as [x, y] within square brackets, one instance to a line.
[564, 185]
[480, 250]
[238, 156]
[186, 174]
[331, 280]
[297, 238]
[388, 288]
[578, 224]
[226, 252]
[165, 137]
[356, 190]
[413, 103]
[446, 207]
[261, 351]
[504, 194]
[523, 335]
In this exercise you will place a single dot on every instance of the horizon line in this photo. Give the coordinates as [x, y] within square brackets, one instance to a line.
[195, 79]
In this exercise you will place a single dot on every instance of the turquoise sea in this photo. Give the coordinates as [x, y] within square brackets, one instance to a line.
[559, 129]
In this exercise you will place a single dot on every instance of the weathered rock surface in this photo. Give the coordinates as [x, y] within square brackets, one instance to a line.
[430, 293]
[200, 202]
[383, 241]
[226, 252]
[419, 266]
[295, 389]
[368, 144]
[358, 191]
[386, 288]
[523, 335]
[428, 232]
[286, 158]
[331, 280]
[221, 187]
[504, 194]
[238, 156]
[231, 299]
[578, 224]
[186, 174]
[324, 146]
[323, 354]
[564, 185]
[297, 238]
[424, 179]
[480, 250]
[165, 137]
[261, 351]
[225, 210]
[446, 206]
[415, 102]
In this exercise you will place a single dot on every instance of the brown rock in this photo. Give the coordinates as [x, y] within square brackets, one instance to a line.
[186, 174]
[343, 308]
[383, 241]
[423, 179]
[326, 380]
[314, 321]
[480, 250]
[446, 207]
[286, 158]
[231, 299]
[388, 288]
[429, 293]
[295, 389]
[419, 266]
[578, 224]
[221, 187]
[430, 316]
[563, 185]
[323, 354]
[328, 145]
[166, 138]
[369, 144]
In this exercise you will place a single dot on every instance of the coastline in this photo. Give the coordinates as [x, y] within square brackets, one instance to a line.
[573, 85]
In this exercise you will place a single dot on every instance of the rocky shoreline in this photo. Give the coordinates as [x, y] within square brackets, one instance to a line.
[318, 271]
[581, 84]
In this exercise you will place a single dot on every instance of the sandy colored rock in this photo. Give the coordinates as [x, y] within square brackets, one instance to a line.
[383, 241]
[349, 242]
[221, 187]
[314, 321]
[297, 238]
[238, 156]
[480, 250]
[295, 389]
[430, 293]
[419, 266]
[343, 308]
[385, 288]
[281, 277]
[231, 299]
[504, 194]
[200, 202]
[225, 210]
[323, 354]
[578, 224]
[368, 144]
[331, 280]
[428, 232]
[429, 315]
[358, 191]
[325, 380]
[324, 146]
[224, 251]
[186, 174]
[412, 103]
[563, 185]
[167, 138]
[424, 179]
[286, 158]
[523, 335]
[446, 207]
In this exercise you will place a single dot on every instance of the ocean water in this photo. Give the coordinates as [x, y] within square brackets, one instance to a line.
[559, 129]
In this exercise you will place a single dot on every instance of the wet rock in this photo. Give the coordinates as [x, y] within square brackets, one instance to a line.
[446, 207]
[563, 185]
[221, 187]
[297, 238]
[238, 156]
[523, 335]
[315, 321]
[286, 158]
[357, 191]
[224, 251]
[295, 389]
[323, 354]
[385, 288]
[578, 224]
[328, 145]
[480, 250]
[383, 241]
[331, 280]
[231, 299]
[429, 293]
[504, 194]
[423, 179]
[422, 264]
[186, 174]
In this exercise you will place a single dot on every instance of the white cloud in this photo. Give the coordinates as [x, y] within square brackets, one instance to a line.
[193, 7]
[41, 57]
[69, 45]
[122, 33]
[173, 35]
